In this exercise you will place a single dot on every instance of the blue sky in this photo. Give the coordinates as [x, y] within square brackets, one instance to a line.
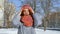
[56, 3]
[18, 3]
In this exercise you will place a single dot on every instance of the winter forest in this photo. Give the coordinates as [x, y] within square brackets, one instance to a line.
[47, 11]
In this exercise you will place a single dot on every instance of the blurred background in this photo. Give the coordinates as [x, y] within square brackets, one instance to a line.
[48, 11]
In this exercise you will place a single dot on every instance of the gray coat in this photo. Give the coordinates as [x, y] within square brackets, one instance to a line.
[23, 29]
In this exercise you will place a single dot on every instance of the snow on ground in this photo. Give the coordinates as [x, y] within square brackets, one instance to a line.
[8, 31]
[38, 31]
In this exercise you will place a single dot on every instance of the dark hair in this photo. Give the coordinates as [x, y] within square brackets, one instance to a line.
[30, 13]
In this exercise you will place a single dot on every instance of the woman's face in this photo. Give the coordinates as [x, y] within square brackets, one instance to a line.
[26, 12]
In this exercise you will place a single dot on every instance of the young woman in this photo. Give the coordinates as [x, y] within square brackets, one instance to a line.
[27, 20]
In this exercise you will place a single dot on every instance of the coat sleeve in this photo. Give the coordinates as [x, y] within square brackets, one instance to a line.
[16, 20]
[37, 19]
